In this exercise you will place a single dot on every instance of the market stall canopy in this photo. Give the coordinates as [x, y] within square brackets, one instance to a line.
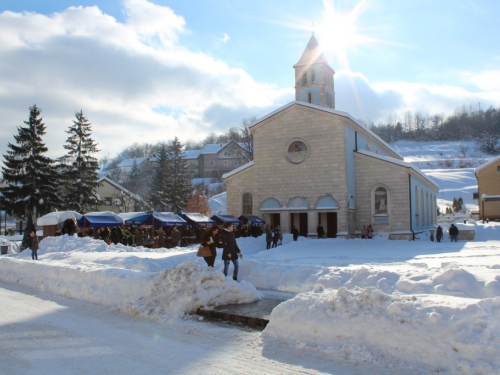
[251, 219]
[194, 218]
[55, 218]
[100, 220]
[221, 219]
[157, 218]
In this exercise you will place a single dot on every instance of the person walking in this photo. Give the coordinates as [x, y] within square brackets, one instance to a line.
[295, 233]
[269, 236]
[34, 245]
[369, 232]
[231, 250]
[453, 231]
[280, 236]
[321, 231]
[212, 240]
[439, 233]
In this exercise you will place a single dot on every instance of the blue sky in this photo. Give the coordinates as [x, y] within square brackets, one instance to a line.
[144, 71]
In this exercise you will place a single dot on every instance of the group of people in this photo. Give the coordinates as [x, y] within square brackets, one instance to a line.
[223, 238]
[367, 232]
[274, 236]
[452, 231]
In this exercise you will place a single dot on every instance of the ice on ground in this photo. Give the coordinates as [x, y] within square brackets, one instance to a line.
[450, 335]
[185, 288]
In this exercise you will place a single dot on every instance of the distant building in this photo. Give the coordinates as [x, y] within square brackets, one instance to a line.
[125, 167]
[114, 197]
[488, 185]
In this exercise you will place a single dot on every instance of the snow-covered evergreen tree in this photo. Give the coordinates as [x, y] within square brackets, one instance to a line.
[79, 167]
[179, 189]
[159, 185]
[31, 176]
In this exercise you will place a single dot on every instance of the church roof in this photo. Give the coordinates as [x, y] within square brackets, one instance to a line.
[398, 162]
[330, 110]
[312, 54]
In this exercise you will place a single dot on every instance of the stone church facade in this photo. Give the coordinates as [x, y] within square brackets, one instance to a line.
[314, 164]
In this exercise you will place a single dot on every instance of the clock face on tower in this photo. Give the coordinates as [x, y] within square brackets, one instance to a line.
[297, 151]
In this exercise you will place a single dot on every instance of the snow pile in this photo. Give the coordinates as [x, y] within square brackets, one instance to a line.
[183, 289]
[451, 334]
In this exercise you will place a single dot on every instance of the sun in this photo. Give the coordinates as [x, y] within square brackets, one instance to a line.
[339, 31]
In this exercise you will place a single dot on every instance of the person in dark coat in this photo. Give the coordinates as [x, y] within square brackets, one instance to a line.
[276, 236]
[231, 251]
[114, 237]
[369, 232]
[439, 233]
[34, 245]
[295, 233]
[161, 237]
[176, 237]
[269, 236]
[321, 231]
[453, 231]
[212, 240]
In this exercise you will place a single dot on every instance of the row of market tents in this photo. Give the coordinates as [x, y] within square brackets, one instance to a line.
[150, 218]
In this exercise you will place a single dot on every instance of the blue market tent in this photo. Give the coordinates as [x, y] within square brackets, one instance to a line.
[194, 218]
[157, 219]
[251, 219]
[221, 219]
[99, 221]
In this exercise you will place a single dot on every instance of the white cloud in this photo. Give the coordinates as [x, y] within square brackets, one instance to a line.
[225, 38]
[133, 80]
[488, 80]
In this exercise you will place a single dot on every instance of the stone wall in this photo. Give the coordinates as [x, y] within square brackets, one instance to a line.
[370, 172]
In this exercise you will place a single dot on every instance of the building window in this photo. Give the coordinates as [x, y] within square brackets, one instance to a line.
[225, 162]
[247, 204]
[313, 75]
[498, 168]
[304, 79]
[211, 162]
[107, 201]
[309, 97]
[380, 201]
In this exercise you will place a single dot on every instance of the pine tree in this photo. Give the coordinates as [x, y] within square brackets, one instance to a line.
[179, 189]
[79, 168]
[31, 176]
[158, 185]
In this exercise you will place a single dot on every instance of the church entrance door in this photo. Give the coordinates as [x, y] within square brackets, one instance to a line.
[331, 224]
[275, 219]
[299, 220]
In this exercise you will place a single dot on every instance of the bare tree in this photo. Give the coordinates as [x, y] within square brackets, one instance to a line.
[463, 150]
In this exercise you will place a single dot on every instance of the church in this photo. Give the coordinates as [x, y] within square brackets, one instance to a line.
[315, 165]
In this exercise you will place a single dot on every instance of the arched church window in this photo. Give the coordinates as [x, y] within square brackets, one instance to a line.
[313, 75]
[380, 201]
[304, 79]
[247, 208]
[309, 97]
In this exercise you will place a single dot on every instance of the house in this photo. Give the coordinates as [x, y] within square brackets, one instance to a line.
[316, 165]
[488, 185]
[114, 197]
[125, 167]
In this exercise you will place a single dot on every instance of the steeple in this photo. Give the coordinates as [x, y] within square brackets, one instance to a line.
[314, 77]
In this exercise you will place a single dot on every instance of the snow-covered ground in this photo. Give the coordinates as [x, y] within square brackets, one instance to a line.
[406, 305]
[362, 306]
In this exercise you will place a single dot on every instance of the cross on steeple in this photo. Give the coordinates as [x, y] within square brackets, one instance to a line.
[313, 25]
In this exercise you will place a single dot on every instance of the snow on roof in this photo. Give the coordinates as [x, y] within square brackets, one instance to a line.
[130, 162]
[398, 162]
[239, 169]
[119, 187]
[330, 110]
[213, 148]
[192, 154]
[487, 164]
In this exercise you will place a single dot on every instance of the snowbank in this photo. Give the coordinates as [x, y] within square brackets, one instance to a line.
[185, 288]
[453, 335]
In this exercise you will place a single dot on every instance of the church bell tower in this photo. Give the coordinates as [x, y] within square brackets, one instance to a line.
[314, 77]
